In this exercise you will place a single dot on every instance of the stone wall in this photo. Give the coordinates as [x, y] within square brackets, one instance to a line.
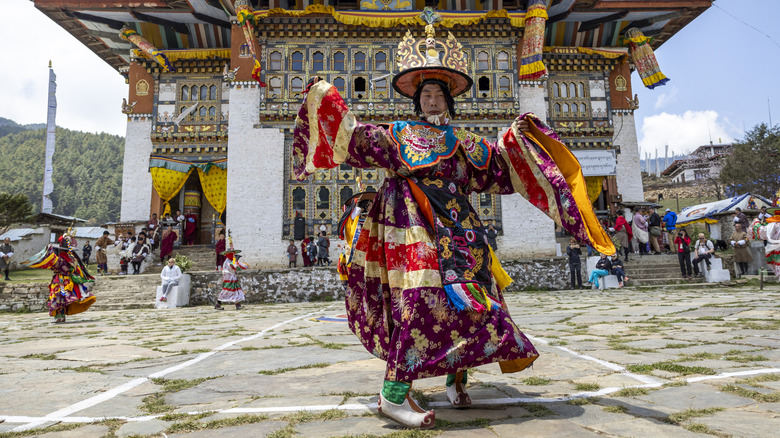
[23, 297]
[317, 284]
[136, 179]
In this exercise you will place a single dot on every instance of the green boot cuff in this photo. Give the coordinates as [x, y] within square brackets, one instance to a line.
[451, 378]
[395, 392]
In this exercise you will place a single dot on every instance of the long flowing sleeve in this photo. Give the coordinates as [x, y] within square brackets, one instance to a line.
[543, 170]
[327, 134]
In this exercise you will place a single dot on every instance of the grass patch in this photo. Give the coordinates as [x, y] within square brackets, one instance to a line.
[249, 348]
[155, 404]
[537, 410]
[672, 345]
[284, 370]
[85, 369]
[616, 409]
[583, 401]
[350, 394]
[423, 399]
[697, 428]
[41, 356]
[679, 417]
[676, 383]
[304, 417]
[746, 359]
[587, 386]
[757, 380]
[670, 367]
[554, 343]
[536, 381]
[773, 397]
[194, 425]
[698, 356]
[632, 392]
[175, 385]
[272, 347]
[61, 427]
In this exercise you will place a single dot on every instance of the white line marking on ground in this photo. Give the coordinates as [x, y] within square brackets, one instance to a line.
[373, 406]
[648, 381]
[108, 395]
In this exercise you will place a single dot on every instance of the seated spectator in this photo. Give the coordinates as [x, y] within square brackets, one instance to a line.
[703, 250]
[618, 269]
[603, 268]
[171, 274]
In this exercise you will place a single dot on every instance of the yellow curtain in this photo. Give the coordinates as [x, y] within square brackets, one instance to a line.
[168, 183]
[594, 185]
[214, 185]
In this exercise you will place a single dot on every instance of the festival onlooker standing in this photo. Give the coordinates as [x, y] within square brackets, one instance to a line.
[491, 235]
[639, 228]
[190, 228]
[624, 234]
[311, 249]
[617, 269]
[292, 255]
[138, 252]
[153, 222]
[740, 218]
[6, 252]
[323, 246]
[180, 218]
[304, 253]
[573, 251]
[603, 268]
[741, 242]
[220, 248]
[86, 251]
[763, 216]
[654, 224]
[100, 253]
[170, 275]
[704, 250]
[682, 245]
[670, 223]
[231, 287]
[166, 243]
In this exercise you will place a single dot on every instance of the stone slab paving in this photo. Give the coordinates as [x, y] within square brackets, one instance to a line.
[670, 361]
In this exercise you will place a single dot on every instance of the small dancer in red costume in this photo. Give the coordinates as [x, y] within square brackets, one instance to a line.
[231, 287]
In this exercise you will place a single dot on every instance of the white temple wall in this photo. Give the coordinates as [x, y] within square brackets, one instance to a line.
[629, 174]
[255, 182]
[527, 231]
[136, 178]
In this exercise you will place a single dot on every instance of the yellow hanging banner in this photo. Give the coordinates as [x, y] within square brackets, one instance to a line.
[214, 183]
[594, 185]
[168, 182]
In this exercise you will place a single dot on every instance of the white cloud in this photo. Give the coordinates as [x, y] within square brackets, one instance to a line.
[89, 91]
[669, 95]
[682, 132]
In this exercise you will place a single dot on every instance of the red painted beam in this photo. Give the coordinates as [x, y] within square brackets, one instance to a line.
[100, 4]
[658, 4]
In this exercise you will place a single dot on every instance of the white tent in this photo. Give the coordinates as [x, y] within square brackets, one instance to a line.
[705, 212]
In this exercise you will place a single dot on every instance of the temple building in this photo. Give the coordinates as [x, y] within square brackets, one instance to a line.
[215, 86]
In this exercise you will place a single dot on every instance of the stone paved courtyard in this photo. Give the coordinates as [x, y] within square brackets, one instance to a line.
[666, 362]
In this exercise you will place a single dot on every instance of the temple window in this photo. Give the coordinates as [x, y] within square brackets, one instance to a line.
[299, 199]
[339, 84]
[318, 61]
[581, 89]
[204, 93]
[338, 61]
[344, 194]
[556, 90]
[296, 86]
[323, 198]
[203, 112]
[213, 92]
[297, 61]
[275, 87]
[483, 61]
[557, 108]
[380, 88]
[483, 86]
[503, 61]
[572, 90]
[212, 113]
[360, 87]
[275, 60]
[360, 61]
[504, 88]
[380, 60]
[185, 93]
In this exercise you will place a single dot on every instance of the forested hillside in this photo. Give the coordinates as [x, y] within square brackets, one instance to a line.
[87, 171]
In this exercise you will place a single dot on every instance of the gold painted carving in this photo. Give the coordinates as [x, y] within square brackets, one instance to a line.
[142, 88]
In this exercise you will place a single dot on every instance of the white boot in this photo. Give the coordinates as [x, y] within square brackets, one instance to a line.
[408, 414]
[458, 396]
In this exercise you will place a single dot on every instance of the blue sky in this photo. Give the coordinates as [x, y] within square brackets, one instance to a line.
[722, 73]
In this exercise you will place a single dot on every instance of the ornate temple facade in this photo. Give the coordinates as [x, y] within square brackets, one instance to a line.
[212, 101]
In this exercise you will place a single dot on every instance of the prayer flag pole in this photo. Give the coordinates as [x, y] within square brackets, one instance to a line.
[48, 184]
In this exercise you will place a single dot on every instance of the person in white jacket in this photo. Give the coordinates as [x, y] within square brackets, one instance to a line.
[170, 275]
